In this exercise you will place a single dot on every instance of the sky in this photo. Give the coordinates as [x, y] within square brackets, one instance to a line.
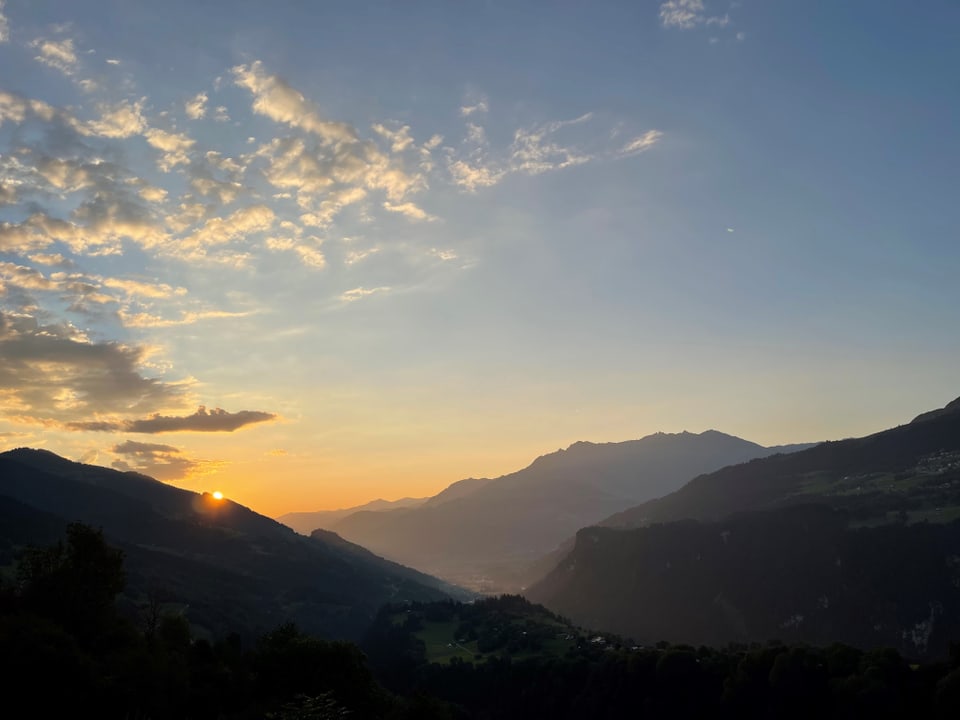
[315, 253]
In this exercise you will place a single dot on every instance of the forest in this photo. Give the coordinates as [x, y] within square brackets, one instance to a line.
[67, 648]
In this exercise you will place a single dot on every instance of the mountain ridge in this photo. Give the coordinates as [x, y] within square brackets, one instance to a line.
[486, 538]
[198, 551]
[855, 540]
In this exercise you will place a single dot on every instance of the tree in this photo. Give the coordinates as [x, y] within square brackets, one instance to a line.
[75, 583]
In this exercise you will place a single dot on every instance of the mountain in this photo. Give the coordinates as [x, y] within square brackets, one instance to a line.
[229, 567]
[855, 541]
[454, 491]
[798, 574]
[306, 522]
[484, 533]
[910, 469]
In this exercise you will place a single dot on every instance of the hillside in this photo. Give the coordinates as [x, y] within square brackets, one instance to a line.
[231, 568]
[798, 574]
[487, 537]
[855, 541]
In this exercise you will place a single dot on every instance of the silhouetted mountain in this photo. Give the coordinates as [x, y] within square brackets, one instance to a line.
[485, 538]
[912, 469]
[853, 541]
[231, 567]
[306, 522]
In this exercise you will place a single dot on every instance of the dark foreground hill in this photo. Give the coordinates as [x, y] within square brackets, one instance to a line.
[798, 575]
[228, 568]
[485, 533]
[849, 541]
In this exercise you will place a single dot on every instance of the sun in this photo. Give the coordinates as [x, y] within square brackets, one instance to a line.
[217, 495]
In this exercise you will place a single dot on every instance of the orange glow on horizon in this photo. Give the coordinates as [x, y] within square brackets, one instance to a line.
[217, 495]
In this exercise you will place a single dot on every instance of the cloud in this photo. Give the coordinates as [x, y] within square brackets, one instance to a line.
[534, 150]
[163, 462]
[239, 224]
[25, 277]
[275, 99]
[330, 166]
[65, 175]
[472, 176]
[533, 153]
[98, 227]
[203, 420]
[4, 25]
[355, 256]
[77, 288]
[688, 14]
[640, 144]
[112, 61]
[50, 259]
[308, 249]
[444, 255]
[399, 139]
[173, 146]
[56, 54]
[361, 292]
[56, 372]
[410, 210]
[16, 109]
[196, 107]
[146, 320]
[683, 14]
[480, 106]
[153, 194]
[120, 120]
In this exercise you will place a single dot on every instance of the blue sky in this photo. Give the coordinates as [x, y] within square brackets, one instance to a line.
[388, 245]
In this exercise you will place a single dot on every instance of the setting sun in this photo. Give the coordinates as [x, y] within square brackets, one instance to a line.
[217, 495]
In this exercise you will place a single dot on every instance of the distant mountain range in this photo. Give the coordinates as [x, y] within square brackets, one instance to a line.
[227, 567]
[855, 541]
[306, 522]
[485, 533]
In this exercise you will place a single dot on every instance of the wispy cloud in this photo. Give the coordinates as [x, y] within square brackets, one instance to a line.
[399, 138]
[410, 210]
[480, 106]
[361, 292]
[641, 143]
[688, 14]
[445, 255]
[533, 151]
[58, 54]
[146, 320]
[275, 99]
[4, 24]
[196, 107]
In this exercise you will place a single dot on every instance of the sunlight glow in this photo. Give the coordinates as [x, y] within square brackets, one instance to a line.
[217, 495]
